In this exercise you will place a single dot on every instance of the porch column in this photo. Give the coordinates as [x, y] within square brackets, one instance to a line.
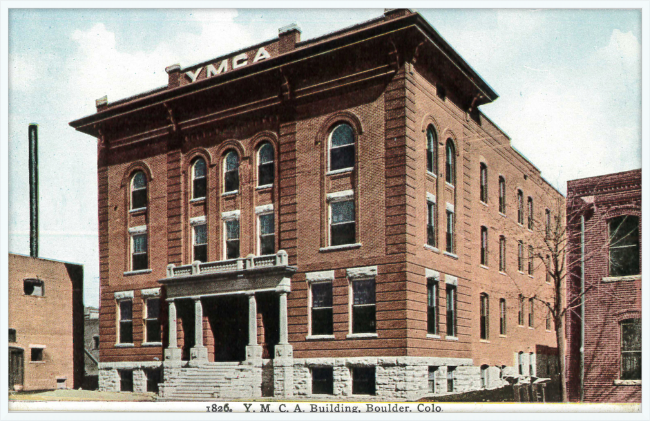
[253, 350]
[252, 319]
[172, 353]
[283, 359]
[198, 353]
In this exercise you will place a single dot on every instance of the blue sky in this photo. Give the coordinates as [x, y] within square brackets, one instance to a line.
[569, 83]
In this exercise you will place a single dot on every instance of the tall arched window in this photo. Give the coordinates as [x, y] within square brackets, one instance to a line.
[484, 183]
[484, 246]
[502, 195]
[531, 215]
[450, 163]
[520, 207]
[138, 190]
[432, 150]
[341, 148]
[265, 166]
[502, 254]
[231, 172]
[199, 183]
[485, 316]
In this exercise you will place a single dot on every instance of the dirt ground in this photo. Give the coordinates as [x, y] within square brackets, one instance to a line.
[81, 395]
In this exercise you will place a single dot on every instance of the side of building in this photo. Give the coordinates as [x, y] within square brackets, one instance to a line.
[610, 207]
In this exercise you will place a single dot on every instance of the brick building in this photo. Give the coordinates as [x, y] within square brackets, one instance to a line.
[42, 354]
[611, 208]
[329, 217]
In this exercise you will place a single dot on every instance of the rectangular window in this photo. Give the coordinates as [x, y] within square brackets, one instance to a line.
[548, 223]
[485, 317]
[521, 310]
[126, 322]
[484, 246]
[531, 312]
[96, 342]
[502, 195]
[451, 310]
[12, 335]
[342, 223]
[520, 207]
[267, 233]
[531, 215]
[451, 377]
[624, 246]
[36, 354]
[531, 364]
[139, 252]
[321, 308]
[484, 376]
[450, 232]
[502, 316]
[363, 306]
[363, 381]
[432, 307]
[484, 183]
[631, 349]
[502, 254]
[431, 224]
[520, 256]
[322, 381]
[433, 372]
[153, 378]
[548, 320]
[33, 287]
[531, 260]
[152, 324]
[232, 239]
[126, 380]
[200, 243]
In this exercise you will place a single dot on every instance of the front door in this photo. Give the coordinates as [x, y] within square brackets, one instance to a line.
[16, 373]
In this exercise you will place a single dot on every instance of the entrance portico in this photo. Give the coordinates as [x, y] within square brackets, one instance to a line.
[215, 295]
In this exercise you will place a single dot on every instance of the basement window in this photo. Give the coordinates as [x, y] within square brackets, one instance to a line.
[126, 380]
[33, 287]
[363, 381]
[322, 381]
[12, 335]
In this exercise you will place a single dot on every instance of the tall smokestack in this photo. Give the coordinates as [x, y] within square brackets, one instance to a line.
[33, 190]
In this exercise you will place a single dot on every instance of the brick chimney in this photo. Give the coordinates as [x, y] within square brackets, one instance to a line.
[174, 72]
[101, 103]
[289, 36]
[390, 14]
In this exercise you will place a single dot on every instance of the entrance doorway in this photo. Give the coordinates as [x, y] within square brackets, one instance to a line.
[228, 317]
[16, 367]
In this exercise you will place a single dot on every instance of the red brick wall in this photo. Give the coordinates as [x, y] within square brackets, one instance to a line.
[606, 303]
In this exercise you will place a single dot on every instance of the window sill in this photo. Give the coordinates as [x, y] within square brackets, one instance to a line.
[452, 255]
[341, 247]
[341, 171]
[451, 338]
[429, 173]
[360, 335]
[33, 295]
[37, 362]
[503, 273]
[137, 272]
[484, 341]
[531, 328]
[451, 186]
[124, 345]
[318, 337]
[151, 344]
[197, 200]
[230, 193]
[431, 336]
[521, 272]
[627, 382]
[531, 276]
[428, 247]
[264, 187]
[484, 267]
[622, 278]
[484, 203]
[138, 210]
[503, 214]
[502, 336]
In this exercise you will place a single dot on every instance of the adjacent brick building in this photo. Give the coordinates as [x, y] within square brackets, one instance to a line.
[44, 354]
[331, 217]
[610, 206]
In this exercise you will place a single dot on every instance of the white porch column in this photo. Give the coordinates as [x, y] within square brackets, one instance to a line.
[283, 359]
[252, 319]
[172, 353]
[284, 324]
[198, 323]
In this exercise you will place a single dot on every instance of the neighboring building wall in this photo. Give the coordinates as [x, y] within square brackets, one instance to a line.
[609, 300]
[32, 318]
[91, 347]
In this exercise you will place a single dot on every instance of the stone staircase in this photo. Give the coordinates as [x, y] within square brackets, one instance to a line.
[209, 381]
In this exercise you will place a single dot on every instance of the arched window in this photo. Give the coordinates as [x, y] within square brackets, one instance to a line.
[432, 150]
[520, 207]
[231, 172]
[484, 183]
[450, 163]
[484, 246]
[502, 195]
[199, 183]
[531, 215]
[485, 316]
[624, 246]
[265, 166]
[502, 254]
[341, 144]
[138, 190]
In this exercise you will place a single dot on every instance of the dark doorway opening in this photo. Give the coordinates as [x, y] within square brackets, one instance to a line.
[268, 307]
[185, 312]
[16, 367]
[228, 317]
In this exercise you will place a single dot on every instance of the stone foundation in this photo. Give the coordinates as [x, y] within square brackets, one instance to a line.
[109, 374]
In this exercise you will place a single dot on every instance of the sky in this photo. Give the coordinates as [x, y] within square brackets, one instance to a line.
[569, 85]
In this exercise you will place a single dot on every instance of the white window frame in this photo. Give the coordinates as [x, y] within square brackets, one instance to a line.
[261, 211]
[119, 297]
[134, 232]
[342, 196]
[259, 164]
[193, 178]
[194, 227]
[329, 149]
[226, 217]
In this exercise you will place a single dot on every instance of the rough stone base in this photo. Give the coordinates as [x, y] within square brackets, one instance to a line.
[109, 375]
